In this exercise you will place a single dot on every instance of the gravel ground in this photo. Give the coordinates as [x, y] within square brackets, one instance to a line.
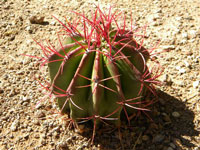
[176, 117]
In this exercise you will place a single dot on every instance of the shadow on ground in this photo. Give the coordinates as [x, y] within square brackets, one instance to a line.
[163, 132]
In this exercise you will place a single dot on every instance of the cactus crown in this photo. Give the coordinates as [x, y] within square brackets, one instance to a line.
[99, 72]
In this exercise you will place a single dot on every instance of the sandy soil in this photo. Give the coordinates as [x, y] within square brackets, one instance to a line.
[176, 117]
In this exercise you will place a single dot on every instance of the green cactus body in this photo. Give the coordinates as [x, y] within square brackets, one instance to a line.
[99, 73]
[96, 84]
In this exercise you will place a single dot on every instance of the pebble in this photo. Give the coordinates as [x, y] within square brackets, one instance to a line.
[182, 70]
[193, 33]
[186, 64]
[29, 129]
[12, 38]
[36, 122]
[40, 114]
[42, 141]
[29, 29]
[55, 134]
[184, 35]
[145, 137]
[172, 145]
[168, 47]
[163, 78]
[69, 140]
[158, 138]
[37, 136]
[176, 114]
[53, 23]
[62, 144]
[11, 136]
[26, 136]
[81, 147]
[183, 41]
[197, 148]
[195, 84]
[169, 148]
[14, 125]
[36, 20]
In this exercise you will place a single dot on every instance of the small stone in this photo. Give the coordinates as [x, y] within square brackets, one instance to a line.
[69, 140]
[39, 105]
[12, 38]
[81, 147]
[11, 136]
[10, 32]
[25, 103]
[182, 70]
[169, 148]
[19, 138]
[55, 134]
[44, 136]
[36, 20]
[26, 136]
[36, 122]
[29, 129]
[176, 114]
[197, 148]
[53, 23]
[164, 78]
[37, 136]
[168, 47]
[158, 138]
[186, 64]
[183, 41]
[192, 33]
[62, 144]
[56, 129]
[184, 35]
[195, 84]
[172, 145]
[40, 114]
[14, 125]
[28, 28]
[145, 138]
[42, 141]
[179, 82]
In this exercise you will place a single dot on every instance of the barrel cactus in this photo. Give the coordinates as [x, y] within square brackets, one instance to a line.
[99, 73]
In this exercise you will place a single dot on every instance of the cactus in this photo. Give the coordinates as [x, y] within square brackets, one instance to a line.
[99, 72]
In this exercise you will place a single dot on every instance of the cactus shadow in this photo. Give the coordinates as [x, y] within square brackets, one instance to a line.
[165, 129]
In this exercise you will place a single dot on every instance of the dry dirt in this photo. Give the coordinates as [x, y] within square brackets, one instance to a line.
[176, 117]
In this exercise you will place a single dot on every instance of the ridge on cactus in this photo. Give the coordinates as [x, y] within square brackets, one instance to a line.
[99, 71]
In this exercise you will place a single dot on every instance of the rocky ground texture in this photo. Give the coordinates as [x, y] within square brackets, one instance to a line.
[176, 117]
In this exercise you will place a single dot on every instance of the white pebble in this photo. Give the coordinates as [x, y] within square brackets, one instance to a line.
[176, 114]
[14, 126]
[192, 33]
[195, 84]
[165, 47]
[186, 63]
[182, 70]
[28, 28]
[184, 35]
